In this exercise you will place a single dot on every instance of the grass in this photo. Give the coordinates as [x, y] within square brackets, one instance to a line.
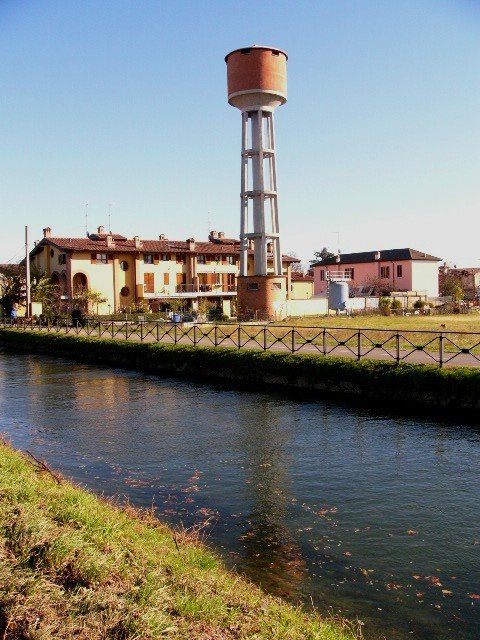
[454, 322]
[75, 566]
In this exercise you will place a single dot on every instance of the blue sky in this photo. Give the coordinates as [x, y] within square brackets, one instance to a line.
[123, 102]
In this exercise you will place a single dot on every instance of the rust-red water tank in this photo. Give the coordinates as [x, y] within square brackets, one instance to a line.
[257, 77]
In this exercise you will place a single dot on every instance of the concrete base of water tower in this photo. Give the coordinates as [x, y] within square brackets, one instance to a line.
[261, 297]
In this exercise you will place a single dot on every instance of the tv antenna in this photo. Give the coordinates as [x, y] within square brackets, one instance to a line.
[109, 218]
[337, 233]
[86, 219]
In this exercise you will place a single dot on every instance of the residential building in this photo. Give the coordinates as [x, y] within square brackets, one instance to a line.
[380, 272]
[301, 287]
[468, 278]
[137, 273]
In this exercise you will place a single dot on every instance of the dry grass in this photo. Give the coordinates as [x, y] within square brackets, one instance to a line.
[75, 566]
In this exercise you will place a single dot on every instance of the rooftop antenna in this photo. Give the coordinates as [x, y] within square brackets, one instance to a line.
[109, 218]
[209, 223]
[86, 219]
[338, 241]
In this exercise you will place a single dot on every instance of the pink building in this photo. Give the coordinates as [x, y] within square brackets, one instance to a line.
[380, 272]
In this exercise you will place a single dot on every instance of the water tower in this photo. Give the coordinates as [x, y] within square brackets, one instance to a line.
[257, 85]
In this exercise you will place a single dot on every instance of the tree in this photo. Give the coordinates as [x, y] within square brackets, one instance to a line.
[324, 254]
[45, 291]
[84, 298]
[451, 286]
[12, 286]
[297, 267]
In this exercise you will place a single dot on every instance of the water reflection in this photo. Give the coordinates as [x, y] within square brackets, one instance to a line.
[374, 516]
[271, 553]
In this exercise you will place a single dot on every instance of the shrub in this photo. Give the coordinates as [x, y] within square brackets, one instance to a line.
[396, 304]
[419, 304]
[384, 306]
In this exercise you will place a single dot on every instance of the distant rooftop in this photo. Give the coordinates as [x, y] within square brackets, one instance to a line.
[386, 255]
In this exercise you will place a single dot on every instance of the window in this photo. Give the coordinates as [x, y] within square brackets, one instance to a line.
[231, 260]
[124, 291]
[124, 265]
[252, 286]
[148, 258]
[350, 273]
[149, 282]
[62, 258]
[322, 275]
[201, 259]
[276, 285]
[165, 257]
[166, 278]
[101, 257]
[399, 270]
[180, 258]
[384, 272]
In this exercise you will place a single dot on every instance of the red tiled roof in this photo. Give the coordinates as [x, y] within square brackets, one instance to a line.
[301, 277]
[147, 246]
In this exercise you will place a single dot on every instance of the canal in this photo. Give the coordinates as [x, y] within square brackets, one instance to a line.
[368, 515]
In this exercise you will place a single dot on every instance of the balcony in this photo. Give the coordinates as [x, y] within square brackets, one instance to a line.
[192, 291]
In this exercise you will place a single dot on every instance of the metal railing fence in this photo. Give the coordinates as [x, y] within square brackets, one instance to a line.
[403, 345]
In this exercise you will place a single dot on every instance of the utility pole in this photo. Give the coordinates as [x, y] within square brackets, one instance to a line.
[28, 311]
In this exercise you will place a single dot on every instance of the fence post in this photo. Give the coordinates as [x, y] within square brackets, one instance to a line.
[265, 337]
[293, 340]
[239, 337]
[440, 350]
[324, 341]
[397, 345]
[158, 331]
[141, 331]
[175, 338]
[194, 335]
[359, 345]
[215, 334]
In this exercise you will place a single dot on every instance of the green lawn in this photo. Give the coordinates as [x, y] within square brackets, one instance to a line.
[455, 322]
[74, 566]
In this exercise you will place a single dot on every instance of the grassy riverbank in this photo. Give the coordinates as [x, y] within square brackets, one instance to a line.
[74, 566]
[398, 387]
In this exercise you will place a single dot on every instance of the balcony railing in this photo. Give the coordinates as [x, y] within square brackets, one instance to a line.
[206, 288]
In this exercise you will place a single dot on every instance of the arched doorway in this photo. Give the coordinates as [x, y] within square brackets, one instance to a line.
[80, 282]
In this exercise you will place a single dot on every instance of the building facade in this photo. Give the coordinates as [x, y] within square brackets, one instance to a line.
[468, 278]
[143, 274]
[380, 272]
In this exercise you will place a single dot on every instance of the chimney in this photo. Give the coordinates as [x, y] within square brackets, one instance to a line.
[213, 235]
[221, 235]
[377, 255]
[138, 242]
[162, 236]
[191, 244]
[47, 232]
[101, 230]
[110, 240]
[337, 257]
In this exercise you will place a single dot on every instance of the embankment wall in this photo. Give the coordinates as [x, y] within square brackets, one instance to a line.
[401, 388]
